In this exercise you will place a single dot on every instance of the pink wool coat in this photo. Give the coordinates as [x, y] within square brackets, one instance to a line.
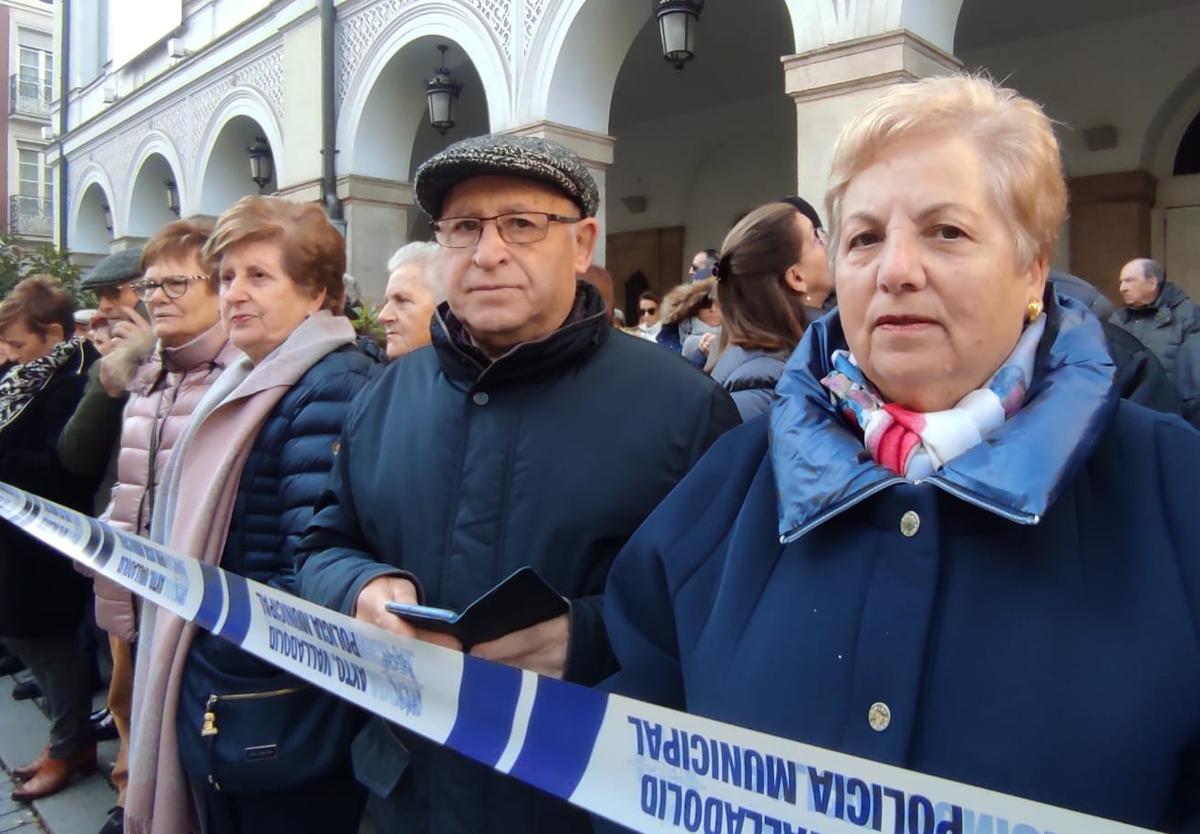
[163, 392]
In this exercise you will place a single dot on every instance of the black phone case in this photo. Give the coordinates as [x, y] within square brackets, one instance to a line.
[522, 600]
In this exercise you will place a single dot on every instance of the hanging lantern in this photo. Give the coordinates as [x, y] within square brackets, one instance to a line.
[172, 196]
[441, 92]
[108, 224]
[677, 21]
[262, 164]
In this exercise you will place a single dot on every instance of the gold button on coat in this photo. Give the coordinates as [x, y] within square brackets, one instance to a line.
[910, 523]
[879, 716]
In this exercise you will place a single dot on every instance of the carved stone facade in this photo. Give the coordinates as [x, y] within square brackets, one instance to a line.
[183, 121]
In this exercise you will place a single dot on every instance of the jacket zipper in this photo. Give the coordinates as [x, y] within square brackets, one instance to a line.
[209, 727]
[1027, 519]
[839, 509]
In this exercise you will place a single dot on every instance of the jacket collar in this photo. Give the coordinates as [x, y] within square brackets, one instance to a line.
[211, 349]
[585, 329]
[821, 468]
[207, 348]
[1161, 308]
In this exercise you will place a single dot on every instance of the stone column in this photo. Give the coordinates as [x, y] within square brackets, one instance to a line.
[120, 244]
[832, 84]
[378, 212]
[596, 151]
[1110, 225]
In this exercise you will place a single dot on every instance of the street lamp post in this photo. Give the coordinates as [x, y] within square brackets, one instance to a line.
[677, 21]
[441, 92]
[262, 165]
[172, 196]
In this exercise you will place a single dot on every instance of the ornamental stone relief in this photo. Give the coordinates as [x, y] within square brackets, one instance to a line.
[183, 122]
[534, 10]
[358, 31]
[498, 14]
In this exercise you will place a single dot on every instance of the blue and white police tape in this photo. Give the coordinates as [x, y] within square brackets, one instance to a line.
[645, 767]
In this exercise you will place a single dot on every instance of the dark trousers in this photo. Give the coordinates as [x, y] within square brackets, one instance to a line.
[60, 668]
[332, 804]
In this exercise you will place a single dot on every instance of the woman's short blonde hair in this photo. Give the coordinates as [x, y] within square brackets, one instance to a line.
[312, 251]
[1014, 138]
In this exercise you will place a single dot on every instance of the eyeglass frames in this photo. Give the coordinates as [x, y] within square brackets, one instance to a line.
[517, 227]
[173, 286]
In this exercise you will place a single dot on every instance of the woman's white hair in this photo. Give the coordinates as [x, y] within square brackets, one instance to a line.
[429, 256]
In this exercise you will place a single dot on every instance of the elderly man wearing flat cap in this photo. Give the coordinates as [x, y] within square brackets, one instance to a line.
[510, 441]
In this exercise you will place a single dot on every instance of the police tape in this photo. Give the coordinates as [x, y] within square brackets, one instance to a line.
[645, 767]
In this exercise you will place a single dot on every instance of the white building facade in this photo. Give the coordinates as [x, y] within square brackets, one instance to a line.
[176, 91]
[27, 47]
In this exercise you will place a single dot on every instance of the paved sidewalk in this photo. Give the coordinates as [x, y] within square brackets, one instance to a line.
[80, 809]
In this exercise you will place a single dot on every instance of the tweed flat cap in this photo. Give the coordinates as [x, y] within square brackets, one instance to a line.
[121, 266]
[502, 154]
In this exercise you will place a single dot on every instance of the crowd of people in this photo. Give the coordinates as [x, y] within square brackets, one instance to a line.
[895, 489]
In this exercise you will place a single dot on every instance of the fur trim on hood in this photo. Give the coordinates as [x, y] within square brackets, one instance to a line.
[683, 301]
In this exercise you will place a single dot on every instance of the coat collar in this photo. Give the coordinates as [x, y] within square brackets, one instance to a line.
[821, 468]
[585, 329]
[211, 349]
[1161, 309]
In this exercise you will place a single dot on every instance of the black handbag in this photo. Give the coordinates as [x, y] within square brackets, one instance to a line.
[245, 727]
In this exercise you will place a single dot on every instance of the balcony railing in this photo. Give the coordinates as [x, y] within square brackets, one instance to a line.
[28, 97]
[30, 217]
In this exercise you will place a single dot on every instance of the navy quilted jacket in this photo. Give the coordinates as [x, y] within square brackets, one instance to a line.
[1027, 615]
[289, 464]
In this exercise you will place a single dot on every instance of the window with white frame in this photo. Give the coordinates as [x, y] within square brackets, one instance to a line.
[35, 182]
[33, 87]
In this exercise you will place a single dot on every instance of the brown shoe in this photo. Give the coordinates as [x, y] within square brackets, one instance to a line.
[25, 772]
[55, 775]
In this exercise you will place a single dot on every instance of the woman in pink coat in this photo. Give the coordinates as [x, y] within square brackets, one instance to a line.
[166, 376]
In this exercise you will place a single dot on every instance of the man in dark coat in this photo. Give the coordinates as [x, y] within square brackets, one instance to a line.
[508, 442]
[1162, 317]
[1140, 376]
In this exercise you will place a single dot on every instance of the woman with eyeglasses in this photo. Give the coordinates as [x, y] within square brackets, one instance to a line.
[768, 261]
[165, 374]
[239, 492]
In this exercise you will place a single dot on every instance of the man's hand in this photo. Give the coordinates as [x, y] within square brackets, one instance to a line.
[131, 325]
[108, 381]
[541, 648]
[370, 608]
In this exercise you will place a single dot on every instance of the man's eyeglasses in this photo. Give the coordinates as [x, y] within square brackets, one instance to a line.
[518, 227]
[647, 311]
[173, 286]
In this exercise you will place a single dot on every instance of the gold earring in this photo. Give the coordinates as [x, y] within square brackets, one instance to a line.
[1034, 310]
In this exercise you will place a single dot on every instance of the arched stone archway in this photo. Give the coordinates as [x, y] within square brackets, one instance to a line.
[222, 169]
[93, 216]
[225, 177]
[387, 91]
[384, 129]
[1175, 219]
[692, 146]
[148, 210]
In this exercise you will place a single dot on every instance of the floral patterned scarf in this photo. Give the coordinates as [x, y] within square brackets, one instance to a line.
[22, 382]
[915, 444]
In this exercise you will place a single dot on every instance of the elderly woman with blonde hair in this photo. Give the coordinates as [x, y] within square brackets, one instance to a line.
[951, 546]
